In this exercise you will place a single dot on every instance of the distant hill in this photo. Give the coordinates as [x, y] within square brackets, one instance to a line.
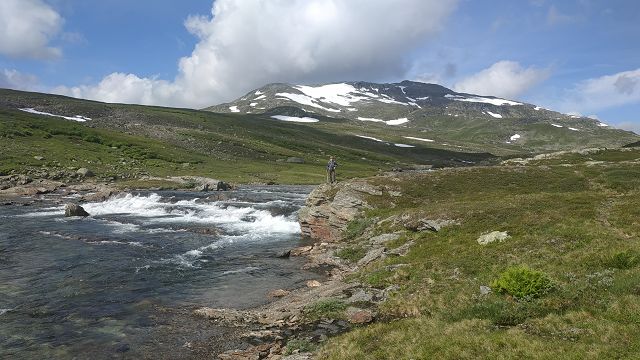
[423, 112]
[45, 135]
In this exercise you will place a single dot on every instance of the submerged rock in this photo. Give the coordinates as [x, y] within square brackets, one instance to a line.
[74, 210]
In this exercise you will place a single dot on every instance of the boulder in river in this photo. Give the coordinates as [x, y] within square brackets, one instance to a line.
[223, 186]
[74, 210]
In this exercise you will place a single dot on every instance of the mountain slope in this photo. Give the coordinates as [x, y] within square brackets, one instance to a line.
[132, 141]
[432, 112]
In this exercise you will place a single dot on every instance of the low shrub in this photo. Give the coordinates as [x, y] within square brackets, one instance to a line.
[325, 309]
[522, 282]
[623, 260]
[351, 253]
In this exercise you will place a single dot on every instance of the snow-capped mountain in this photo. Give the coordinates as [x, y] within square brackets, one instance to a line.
[393, 104]
[429, 111]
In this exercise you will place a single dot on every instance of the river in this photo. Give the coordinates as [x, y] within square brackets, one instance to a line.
[123, 282]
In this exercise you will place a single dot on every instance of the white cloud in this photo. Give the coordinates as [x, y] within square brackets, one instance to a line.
[13, 79]
[504, 79]
[26, 27]
[603, 92]
[247, 44]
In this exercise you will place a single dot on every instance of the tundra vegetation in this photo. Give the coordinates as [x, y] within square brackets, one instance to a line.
[565, 284]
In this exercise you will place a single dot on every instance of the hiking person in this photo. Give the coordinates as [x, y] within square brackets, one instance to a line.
[331, 170]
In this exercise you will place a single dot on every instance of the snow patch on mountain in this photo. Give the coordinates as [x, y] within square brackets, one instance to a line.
[417, 138]
[484, 100]
[388, 122]
[556, 125]
[79, 118]
[305, 100]
[295, 119]
[234, 109]
[498, 116]
[370, 138]
[404, 145]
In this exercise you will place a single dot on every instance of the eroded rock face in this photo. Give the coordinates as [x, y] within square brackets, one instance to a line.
[329, 208]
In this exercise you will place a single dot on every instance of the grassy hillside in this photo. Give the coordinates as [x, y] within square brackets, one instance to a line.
[565, 284]
[130, 141]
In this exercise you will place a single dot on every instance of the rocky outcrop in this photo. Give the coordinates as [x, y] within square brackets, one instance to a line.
[74, 210]
[329, 208]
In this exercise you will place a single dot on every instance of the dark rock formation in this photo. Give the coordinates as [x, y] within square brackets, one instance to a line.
[222, 186]
[74, 210]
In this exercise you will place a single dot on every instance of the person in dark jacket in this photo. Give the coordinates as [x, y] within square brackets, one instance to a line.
[331, 170]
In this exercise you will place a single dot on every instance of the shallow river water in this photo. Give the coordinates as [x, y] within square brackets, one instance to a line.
[122, 283]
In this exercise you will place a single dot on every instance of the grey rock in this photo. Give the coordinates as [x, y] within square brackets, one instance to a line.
[484, 290]
[383, 238]
[428, 224]
[493, 236]
[74, 210]
[84, 172]
[285, 254]
[372, 255]
[360, 296]
[39, 158]
[401, 250]
[295, 160]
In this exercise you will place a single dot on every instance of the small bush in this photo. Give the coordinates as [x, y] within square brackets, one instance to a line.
[302, 345]
[352, 253]
[325, 309]
[522, 282]
[623, 260]
[356, 227]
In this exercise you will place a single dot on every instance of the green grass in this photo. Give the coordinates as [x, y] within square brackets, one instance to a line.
[573, 224]
[325, 309]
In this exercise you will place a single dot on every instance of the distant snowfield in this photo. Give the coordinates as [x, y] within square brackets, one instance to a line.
[234, 108]
[74, 118]
[295, 119]
[370, 138]
[404, 145]
[556, 125]
[573, 129]
[498, 116]
[417, 138]
[388, 122]
[478, 99]
[514, 137]
[602, 125]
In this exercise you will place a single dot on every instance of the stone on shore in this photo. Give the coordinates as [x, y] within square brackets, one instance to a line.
[84, 172]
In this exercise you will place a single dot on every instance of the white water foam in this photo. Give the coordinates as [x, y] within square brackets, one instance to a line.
[4, 311]
[244, 219]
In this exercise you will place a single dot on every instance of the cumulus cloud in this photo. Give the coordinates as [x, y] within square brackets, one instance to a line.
[26, 27]
[13, 79]
[505, 79]
[603, 92]
[246, 44]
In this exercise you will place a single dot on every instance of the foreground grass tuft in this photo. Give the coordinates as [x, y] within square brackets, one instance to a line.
[522, 282]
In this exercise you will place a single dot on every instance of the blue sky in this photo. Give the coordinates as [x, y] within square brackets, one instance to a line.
[578, 56]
